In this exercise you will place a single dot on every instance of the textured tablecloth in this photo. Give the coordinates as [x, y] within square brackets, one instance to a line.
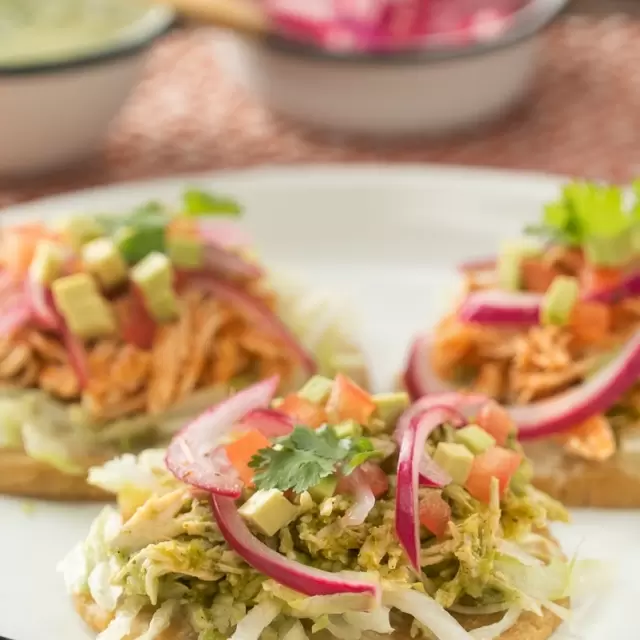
[582, 118]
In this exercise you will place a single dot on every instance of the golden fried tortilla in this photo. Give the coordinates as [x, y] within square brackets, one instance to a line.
[528, 627]
[24, 476]
[611, 484]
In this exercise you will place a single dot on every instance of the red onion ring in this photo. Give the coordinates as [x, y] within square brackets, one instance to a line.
[194, 456]
[365, 500]
[596, 395]
[291, 574]
[547, 417]
[502, 307]
[269, 422]
[412, 452]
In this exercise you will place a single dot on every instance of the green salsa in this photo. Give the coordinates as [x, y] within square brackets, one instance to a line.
[44, 31]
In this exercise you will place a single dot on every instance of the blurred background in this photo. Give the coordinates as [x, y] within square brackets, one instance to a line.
[100, 91]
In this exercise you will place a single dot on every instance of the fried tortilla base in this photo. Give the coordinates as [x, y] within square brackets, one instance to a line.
[528, 627]
[611, 484]
[21, 475]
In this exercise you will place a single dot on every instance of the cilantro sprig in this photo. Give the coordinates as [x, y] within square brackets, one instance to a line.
[300, 460]
[594, 217]
[196, 202]
[143, 230]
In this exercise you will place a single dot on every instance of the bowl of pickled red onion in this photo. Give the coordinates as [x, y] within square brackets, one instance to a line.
[390, 68]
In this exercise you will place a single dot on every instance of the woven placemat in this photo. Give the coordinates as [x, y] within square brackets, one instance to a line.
[582, 119]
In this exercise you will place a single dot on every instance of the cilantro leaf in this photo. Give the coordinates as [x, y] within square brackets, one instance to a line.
[303, 458]
[594, 217]
[202, 203]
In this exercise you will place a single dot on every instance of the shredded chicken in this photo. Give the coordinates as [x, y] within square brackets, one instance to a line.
[520, 366]
[209, 344]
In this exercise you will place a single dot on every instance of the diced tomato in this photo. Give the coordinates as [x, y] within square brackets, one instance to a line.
[303, 411]
[593, 439]
[137, 327]
[435, 513]
[375, 477]
[537, 275]
[241, 451]
[591, 322]
[494, 463]
[594, 279]
[19, 245]
[496, 421]
[348, 401]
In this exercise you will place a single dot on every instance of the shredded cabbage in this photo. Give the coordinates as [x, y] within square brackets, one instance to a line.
[426, 611]
[316, 606]
[102, 590]
[323, 325]
[295, 632]
[122, 623]
[256, 621]
[492, 631]
[160, 620]
[50, 449]
[80, 566]
[143, 472]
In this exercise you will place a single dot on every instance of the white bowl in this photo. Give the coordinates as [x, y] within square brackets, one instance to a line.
[55, 114]
[433, 91]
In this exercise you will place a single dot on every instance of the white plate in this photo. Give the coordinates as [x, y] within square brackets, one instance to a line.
[386, 240]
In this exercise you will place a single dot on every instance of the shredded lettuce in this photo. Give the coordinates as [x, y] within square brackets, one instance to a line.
[256, 621]
[103, 591]
[316, 606]
[426, 611]
[295, 632]
[120, 627]
[160, 620]
[47, 448]
[492, 631]
[323, 325]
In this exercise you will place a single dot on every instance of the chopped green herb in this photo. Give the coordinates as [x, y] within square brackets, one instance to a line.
[303, 458]
[593, 217]
[202, 203]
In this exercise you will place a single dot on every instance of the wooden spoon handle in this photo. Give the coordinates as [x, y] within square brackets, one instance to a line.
[238, 15]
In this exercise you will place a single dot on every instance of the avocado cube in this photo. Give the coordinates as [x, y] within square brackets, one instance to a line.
[47, 262]
[81, 229]
[154, 277]
[103, 260]
[324, 489]
[455, 459]
[185, 252]
[475, 438]
[509, 264]
[348, 429]
[269, 511]
[85, 311]
[521, 479]
[559, 301]
[317, 389]
[389, 406]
